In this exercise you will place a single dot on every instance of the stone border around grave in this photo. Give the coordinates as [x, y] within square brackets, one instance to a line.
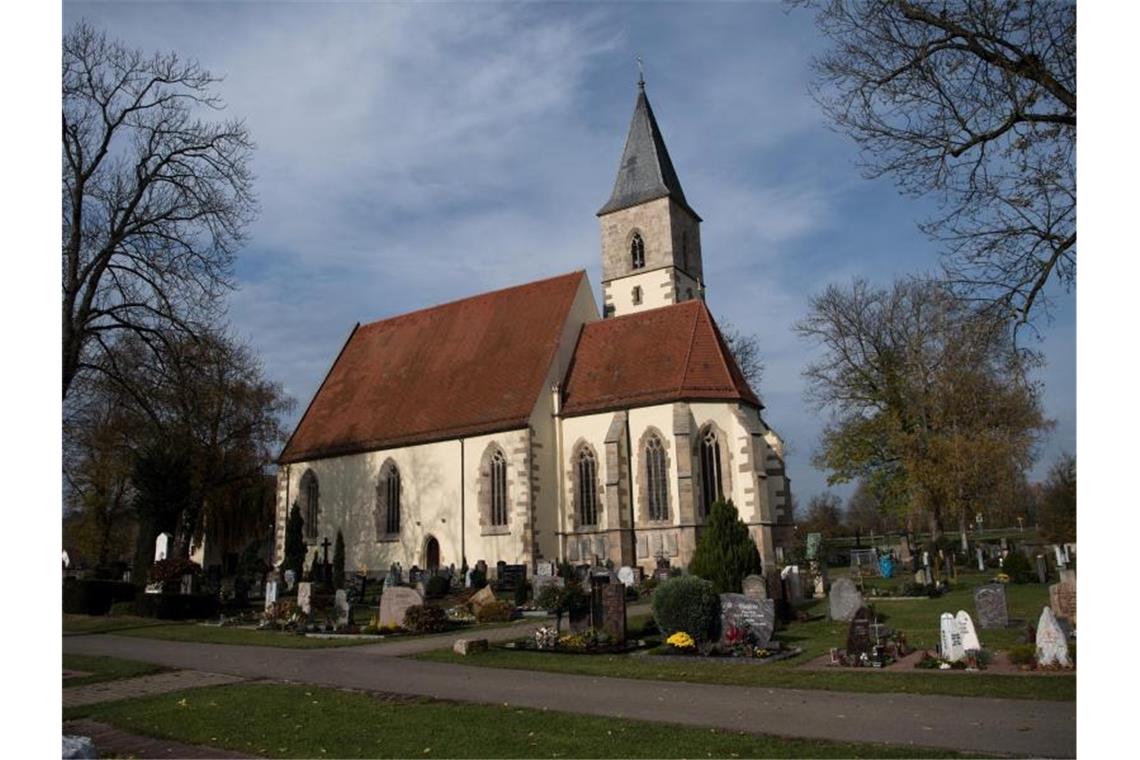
[727, 659]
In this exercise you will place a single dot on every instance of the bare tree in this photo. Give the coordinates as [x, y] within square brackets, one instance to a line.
[155, 197]
[975, 101]
[746, 350]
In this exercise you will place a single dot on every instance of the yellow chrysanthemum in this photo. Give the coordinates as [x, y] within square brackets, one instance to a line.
[681, 640]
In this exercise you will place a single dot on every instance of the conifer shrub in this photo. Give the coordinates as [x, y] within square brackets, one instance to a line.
[1018, 568]
[338, 561]
[295, 542]
[725, 552]
[688, 604]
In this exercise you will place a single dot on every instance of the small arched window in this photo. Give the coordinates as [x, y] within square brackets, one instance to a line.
[388, 501]
[655, 478]
[587, 488]
[498, 489]
[311, 507]
[637, 251]
[712, 489]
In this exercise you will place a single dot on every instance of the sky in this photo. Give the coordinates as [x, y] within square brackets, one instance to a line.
[408, 155]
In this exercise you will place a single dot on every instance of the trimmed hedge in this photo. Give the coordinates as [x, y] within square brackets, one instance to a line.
[88, 596]
[177, 606]
[688, 604]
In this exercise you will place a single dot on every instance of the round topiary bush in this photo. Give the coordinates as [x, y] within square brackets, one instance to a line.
[688, 604]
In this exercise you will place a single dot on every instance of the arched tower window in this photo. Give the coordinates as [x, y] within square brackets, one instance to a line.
[712, 488]
[310, 500]
[657, 489]
[637, 251]
[587, 488]
[498, 489]
[387, 515]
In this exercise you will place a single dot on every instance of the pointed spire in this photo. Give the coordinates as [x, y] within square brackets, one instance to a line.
[646, 172]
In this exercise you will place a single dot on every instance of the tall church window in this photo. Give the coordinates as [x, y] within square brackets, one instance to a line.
[712, 488]
[587, 488]
[637, 251]
[498, 489]
[310, 511]
[655, 478]
[388, 492]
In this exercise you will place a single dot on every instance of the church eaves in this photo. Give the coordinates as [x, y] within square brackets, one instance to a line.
[646, 172]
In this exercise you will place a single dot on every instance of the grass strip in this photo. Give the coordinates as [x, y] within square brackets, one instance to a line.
[105, 669]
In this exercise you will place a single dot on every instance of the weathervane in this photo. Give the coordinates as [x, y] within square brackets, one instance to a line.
[640, 73]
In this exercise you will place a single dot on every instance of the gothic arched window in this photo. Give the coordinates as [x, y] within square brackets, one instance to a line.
[712, 488]
[498, 489]
[637, 251]
[388, 501]
[587, 488]
[310, 499]
[657, 489]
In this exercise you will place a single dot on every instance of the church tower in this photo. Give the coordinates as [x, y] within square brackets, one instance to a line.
[651, 241]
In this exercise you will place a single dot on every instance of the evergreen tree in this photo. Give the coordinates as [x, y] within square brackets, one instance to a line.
[315, 567]
[338, 561]
[295, 542]
[725, 552]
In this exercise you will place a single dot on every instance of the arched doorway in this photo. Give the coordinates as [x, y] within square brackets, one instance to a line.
[431, 554]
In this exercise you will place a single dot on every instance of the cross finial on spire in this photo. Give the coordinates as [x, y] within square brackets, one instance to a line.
[640, 74]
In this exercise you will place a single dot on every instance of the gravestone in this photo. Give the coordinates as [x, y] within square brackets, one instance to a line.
[290, 580]
[469, 646]
[481, 566]
[756, 616]
[539, 582]
[793, 591]
[415, 575]
[1042, 569]
[820, 583]
[1052, 645]
[989, 604]
[950, 639]
[966, 632]
[627, 576]
[162, 546]
[1059, 556]
[305, 597]
[754, 587]
[187, 585]
[1063, 600]
[811, 551]
[394, 577]
[482, 597]
[512, 576]
[859, 639]
[544, 568]
[343, 610]
[981, 560]
[394, 604]
[270, 593]
[844, 599]
[613, 619]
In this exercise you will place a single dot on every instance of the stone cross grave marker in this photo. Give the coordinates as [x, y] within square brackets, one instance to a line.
[950, 639]
[394, 604]
[270, 593]
[989, 604]
[754, 587]
[844, 599]
[757, 616]
[969, 636]
[859, 640]
[162, 546]
[1052, 646]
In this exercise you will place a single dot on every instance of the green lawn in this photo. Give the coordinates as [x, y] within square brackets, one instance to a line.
[78, 625]
[276, 720]
[918, 619]
[204, 634]
[105, 669]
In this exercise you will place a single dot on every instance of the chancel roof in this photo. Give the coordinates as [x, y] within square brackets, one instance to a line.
[464, 368]
[674, 353]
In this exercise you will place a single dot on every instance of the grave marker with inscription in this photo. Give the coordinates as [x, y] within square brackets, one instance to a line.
[859, 639]
[394, 604]
[989, 603]
[758, 617]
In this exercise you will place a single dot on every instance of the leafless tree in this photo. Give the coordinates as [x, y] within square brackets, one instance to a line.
[746, 350]
[155, 197]
[975, 101]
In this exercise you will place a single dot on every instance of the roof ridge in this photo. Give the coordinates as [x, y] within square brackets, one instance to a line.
[688, 353]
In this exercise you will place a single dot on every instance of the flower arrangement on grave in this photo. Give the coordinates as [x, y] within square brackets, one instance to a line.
[586, 639]
[546, 637]
[1001, 578]
[460, 614]
[682, 641]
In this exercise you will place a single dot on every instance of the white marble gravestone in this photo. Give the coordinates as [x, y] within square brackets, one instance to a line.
[950, 639]
[342, 608]
[844, 600]
[966, 631]
[981, 560]
[394, 604]
[1052, 647]
[270, 593]
[162, 546]
[626, 576]
[305, 597]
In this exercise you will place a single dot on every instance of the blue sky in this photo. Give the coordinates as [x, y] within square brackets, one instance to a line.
[410, 155]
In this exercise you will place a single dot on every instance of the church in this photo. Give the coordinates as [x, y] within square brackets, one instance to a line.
[521, 425]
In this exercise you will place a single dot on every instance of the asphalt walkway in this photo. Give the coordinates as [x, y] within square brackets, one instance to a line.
[1004, 726]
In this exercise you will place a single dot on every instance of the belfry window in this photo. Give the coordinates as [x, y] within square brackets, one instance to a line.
[637, 251]
[587, 488]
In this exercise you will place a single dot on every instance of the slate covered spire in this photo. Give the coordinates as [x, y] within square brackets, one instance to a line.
[646, 172]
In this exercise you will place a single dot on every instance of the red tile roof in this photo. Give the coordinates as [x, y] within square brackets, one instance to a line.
[468, 367]
[674, 353]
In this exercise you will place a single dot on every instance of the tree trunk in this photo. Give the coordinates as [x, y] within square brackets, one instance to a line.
[962, 530]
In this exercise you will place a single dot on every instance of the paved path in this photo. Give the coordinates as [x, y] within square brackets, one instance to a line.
[111, 741]
[969, 724]
[143, 686]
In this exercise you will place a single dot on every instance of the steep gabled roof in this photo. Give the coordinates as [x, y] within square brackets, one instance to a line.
[674, 353]
[467, 367]
[646, 172]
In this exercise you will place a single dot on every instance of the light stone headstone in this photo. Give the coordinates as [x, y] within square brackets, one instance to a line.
[754, 615]
[544, 568]
[1063, 598]
[270, 593]
[844, 600]
[467, 579]
[305, 597]
[981, 560]
[754, 587]
[290, 580]
[1059, 555]
[627, 576]
[483, 596]
[394, 604]
[989, 603]
[1052, 646]
[342, 608]
[969, 636]
[950, 639]
[162, 546]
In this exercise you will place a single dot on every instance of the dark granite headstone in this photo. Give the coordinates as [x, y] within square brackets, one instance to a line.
[612, 608]
[512, 576]
[989, 604]
[756, 616]
[859, 638]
